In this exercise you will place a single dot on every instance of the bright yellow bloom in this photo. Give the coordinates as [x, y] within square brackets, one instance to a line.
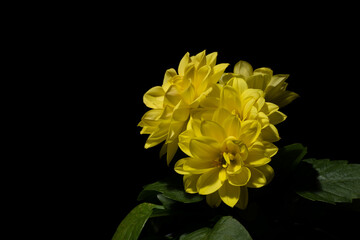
[274, 86]
[180, 93]
[229, 146]
[249, 104]
[226, 156]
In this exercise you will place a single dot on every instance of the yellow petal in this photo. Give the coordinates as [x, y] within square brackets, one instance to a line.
[154, 98]
[209, 182]
[184, 141]
[222, 175]
[202, 114]
[183, 63]
[213, 199]
[243, 200]
[188, 76]
[250, 131]
[163, 150]
[179, 166]
[151, 141]
[171, 150]
[159, 135]
[229, 98]
[174, 129]
[270, 133]
[209, 102]
[226, 157]
[237, 162]
[269, 108]
[276, 85]
[194, 124]
[199, 166]
[172, 96]
[190, 182]
[238, 84]
[212, 99]
[181, 112]
[232, 126]
[268, 172]
[277, 80]
[284, 99]
[203, 73]
[147, 129]
[263, 119]
[270, 149]
[150, 121]
[169, 74]
[277, 117]
[218, 71]
[220, 115]
[189, 94]
[167, 112]
[200, 99]
[229, 194]
[258, 81]
[211, 59]
[263, 71]
[249, 99]
[152, 115]
[259, 103]
[241, 178]
[199, 59]
[232, 146]
[257, 155]
[204, 148]
[276, 91]
[243, 68]
[226, 78]
[213, 130]
[257, 180]
[201, 83]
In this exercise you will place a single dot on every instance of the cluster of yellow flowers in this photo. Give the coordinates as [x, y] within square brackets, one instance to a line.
[224, 122]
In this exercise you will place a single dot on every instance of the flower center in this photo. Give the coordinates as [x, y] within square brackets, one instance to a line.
[226, 159]
[235, 112]
[233, 154]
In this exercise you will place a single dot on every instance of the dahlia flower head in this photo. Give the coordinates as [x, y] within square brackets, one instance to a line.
[223, 122]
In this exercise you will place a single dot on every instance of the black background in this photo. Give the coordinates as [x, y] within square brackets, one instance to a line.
[116, 58]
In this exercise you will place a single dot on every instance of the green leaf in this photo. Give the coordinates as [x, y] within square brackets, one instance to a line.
[171, 190]
[333, 181]
[288, 157]
[166, 202]
[227, 228]
[130, 228]
[200, 234]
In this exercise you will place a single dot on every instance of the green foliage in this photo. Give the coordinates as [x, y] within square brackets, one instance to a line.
[281, 206]
[317, 180]
[170, 188]
[200, 234]
[130, 228]
[227, 228]
[288, 157]
[334, 181]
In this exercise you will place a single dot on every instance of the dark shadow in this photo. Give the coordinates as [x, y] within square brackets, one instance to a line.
[305, 178]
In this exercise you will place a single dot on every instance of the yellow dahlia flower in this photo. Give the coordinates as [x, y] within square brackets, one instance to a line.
[180, 93]
[226, 156]
[249, 104]
[274, 86]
